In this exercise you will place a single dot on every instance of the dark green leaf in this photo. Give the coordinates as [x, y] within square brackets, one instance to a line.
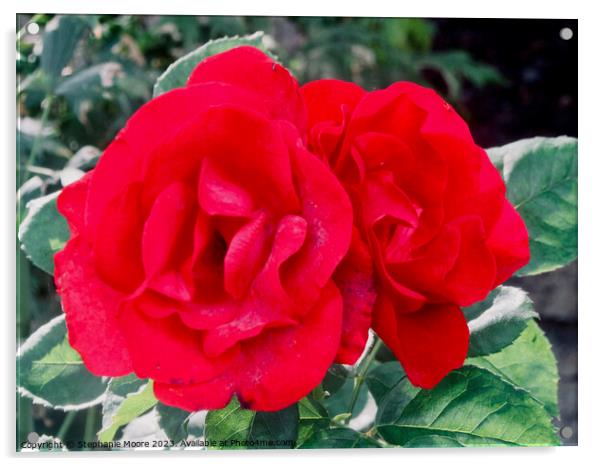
[470, 407]
[43, 232]
[52, 373]
[497, 321]
[528, 364]
[173, 421]
[236, 428]
[541, 177]
[177, 73]
[340, 402]
[339, 437]
[127, 398]
[383, 378]
[60, 39]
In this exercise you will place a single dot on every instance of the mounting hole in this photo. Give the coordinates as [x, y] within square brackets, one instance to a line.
[33, 28]
[566, 33]
[566, 432]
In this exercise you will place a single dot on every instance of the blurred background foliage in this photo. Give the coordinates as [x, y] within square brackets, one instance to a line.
[79, 78]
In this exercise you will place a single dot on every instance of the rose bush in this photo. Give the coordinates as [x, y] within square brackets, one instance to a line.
[430, 206]
[207, 246]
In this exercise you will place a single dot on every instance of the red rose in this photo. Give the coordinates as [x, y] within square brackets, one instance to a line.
[205, 242]
[431, 207]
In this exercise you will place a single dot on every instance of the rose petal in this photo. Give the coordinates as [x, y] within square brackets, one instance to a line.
[509, 243]
[166, 350]
[117, 251]
[473, 274]
[167, 233]
[429, 343]
[249, 68]
[90, 309]
[327, 209]
[273, 370]
[355, 280]
[165, 157]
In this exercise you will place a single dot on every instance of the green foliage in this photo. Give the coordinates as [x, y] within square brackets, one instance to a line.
[52, 373]
[498, 320]
[339, 437]
[173, 421]
[234, 427]
[527, 364]
[470, 407]
[313, 417]
[127, 398]
[60, 39]
[541, 178]
[177, 73]
[375, 52]
[43, 232]
[505, 398]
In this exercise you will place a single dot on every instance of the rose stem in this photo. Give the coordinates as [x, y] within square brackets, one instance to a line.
[361, 375]
[66, 424]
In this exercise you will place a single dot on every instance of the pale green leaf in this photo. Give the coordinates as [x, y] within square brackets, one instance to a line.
[127, 398]
[52, 373]
[43, 232]
[498, 320]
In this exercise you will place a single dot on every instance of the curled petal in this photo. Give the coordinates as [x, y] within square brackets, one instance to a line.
[273, 370]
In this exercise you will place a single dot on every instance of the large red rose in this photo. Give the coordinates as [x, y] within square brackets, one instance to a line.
[207, 244]
[430, 206]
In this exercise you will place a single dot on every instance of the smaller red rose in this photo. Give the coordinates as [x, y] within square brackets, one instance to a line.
[430, 206]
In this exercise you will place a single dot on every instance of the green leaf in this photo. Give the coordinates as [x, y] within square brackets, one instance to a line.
[339, 437]
[541, 179]
[498, 320]
[90, 84]
[312, 418]
[85, 158]
[60, 39]
[173, 421]
[236, 428]
[340, 402]
[43, 232]
[127, 398]
[177, 73]
[382, 378]
[470, 407]
[52, 373]
[528, 364]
